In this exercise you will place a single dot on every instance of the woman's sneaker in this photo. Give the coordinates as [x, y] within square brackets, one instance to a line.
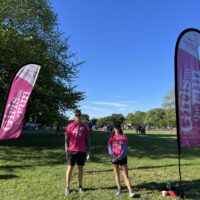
[132, 194]
[118, 192]
[80, 190]
[67, 191]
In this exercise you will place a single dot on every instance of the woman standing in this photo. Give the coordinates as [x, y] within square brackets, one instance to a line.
[118, 149]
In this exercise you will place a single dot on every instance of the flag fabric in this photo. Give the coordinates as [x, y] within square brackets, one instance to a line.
[187, 88]
[17, 99]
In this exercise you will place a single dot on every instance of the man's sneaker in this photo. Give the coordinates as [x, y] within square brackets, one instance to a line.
[67, 191]
[80, 190]
[132, 194]
[118, 192]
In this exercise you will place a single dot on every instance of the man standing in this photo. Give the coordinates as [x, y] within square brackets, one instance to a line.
[77, 148]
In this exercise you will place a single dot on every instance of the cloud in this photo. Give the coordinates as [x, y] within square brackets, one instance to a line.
[96, 112]
[119, 104]
[115, 104]
[106, 108]
[130, 101]
[98, 109]
[93, 108]
[86, 107]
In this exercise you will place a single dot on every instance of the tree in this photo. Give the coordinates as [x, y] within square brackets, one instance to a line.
[110, 120]
[171, 117]
[156, 117]
[94, 121]
[136, 119]
[169, 106]
[129, 119]
[139, 118]
[169, 100]
[117, 118]
[85, 118]
[29, 33]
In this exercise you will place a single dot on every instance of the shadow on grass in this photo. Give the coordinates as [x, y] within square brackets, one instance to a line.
[134, 168]
[114, 187]
[36, 141]
[161, 166]
[153, 146]
[164, 135]
[190, 188]
[48, 148]
[98, 171]
[13, 167]
[100, 188]
[41, 149]
[109, 188]
[10, 176]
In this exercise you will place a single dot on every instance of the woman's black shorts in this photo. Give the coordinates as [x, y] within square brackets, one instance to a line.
[120, 162]
[74, 157]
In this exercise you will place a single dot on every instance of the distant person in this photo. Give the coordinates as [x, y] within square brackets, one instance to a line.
[77, 148]
[118, 150]
[90, 127]
[143, 130]
[109, 129]
[58, 130]
[139, 129]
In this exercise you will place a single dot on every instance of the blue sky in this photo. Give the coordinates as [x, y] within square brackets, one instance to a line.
[128, 47]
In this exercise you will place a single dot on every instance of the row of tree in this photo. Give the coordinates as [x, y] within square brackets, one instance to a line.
[158, 117]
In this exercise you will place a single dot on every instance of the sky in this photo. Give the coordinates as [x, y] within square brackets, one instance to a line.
[128, 47]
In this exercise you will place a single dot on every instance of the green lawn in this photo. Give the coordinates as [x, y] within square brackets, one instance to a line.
[33, 167]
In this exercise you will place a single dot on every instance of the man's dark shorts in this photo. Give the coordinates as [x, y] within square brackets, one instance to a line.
[120, 162]
[74, 157]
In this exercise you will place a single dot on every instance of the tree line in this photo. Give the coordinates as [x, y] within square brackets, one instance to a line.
[158, 117]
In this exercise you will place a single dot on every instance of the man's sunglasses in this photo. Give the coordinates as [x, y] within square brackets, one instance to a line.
[77, 115]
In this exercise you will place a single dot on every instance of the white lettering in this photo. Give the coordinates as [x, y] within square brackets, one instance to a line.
[186, 123]
[185, 106]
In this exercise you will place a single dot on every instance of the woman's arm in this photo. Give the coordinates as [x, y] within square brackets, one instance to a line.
[124, 151]
[110, 151]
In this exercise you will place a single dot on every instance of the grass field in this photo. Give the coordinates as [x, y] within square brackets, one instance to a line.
[33, 168]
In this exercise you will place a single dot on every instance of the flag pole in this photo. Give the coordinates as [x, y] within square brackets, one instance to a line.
[177, 112]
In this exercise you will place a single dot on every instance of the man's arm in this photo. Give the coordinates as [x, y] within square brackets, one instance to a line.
[66, 142]
[88, 147]
[87, 140]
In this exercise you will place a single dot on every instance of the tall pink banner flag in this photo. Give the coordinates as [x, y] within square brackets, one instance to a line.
[187, 87]
[20, 91]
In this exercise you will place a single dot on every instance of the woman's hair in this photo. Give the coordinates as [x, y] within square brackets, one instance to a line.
[118, 127]
[77, 111]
